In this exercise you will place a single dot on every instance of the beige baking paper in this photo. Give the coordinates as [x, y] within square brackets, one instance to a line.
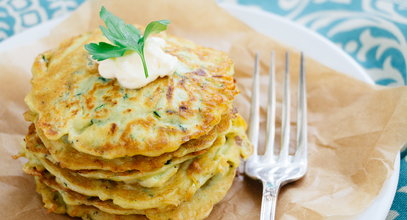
[355, 130]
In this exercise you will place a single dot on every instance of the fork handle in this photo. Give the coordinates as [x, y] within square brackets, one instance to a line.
[269, 201]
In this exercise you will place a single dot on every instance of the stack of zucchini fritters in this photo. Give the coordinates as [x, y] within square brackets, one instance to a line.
[169, 150]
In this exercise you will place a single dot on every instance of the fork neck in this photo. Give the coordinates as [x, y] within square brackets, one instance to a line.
[269, 200]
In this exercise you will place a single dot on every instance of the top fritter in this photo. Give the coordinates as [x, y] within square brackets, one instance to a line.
[101, 118]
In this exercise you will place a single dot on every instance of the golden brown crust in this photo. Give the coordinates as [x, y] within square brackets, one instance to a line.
[103, 119]
[168, 150]
[68, 157]
[197, 208]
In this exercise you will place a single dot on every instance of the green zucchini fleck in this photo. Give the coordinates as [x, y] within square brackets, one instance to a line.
[156, 114]
[103, 79]
[99, 107]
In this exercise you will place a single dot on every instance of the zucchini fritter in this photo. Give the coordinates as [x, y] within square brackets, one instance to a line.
[100, 118]
[168, 150]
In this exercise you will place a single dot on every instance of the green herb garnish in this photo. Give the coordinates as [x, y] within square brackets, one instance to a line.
[125, 37]
[156, 114]
[99, 107]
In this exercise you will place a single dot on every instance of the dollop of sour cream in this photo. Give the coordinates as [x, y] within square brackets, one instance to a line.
[129, 71]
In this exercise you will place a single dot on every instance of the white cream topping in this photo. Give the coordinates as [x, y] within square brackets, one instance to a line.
[129, 71]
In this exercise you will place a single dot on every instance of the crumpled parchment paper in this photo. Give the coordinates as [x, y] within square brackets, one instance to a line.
[355, 130]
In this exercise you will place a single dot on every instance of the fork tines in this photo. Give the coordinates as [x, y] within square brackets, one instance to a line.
[271, 111]
[277, 170]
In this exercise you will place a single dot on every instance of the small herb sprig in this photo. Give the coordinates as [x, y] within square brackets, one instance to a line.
[125, 37]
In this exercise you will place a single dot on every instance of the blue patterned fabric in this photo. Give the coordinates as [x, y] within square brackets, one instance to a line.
[373, 32]
[18, 15]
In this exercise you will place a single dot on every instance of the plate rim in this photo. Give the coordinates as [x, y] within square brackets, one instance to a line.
[258, 12]
[392, 181]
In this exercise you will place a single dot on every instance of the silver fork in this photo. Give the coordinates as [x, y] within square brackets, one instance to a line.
[276, 170]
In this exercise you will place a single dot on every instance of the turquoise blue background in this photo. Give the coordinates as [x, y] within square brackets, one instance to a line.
[373, 32]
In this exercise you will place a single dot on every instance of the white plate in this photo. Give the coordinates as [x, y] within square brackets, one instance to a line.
[324, 51]
[286, 32]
